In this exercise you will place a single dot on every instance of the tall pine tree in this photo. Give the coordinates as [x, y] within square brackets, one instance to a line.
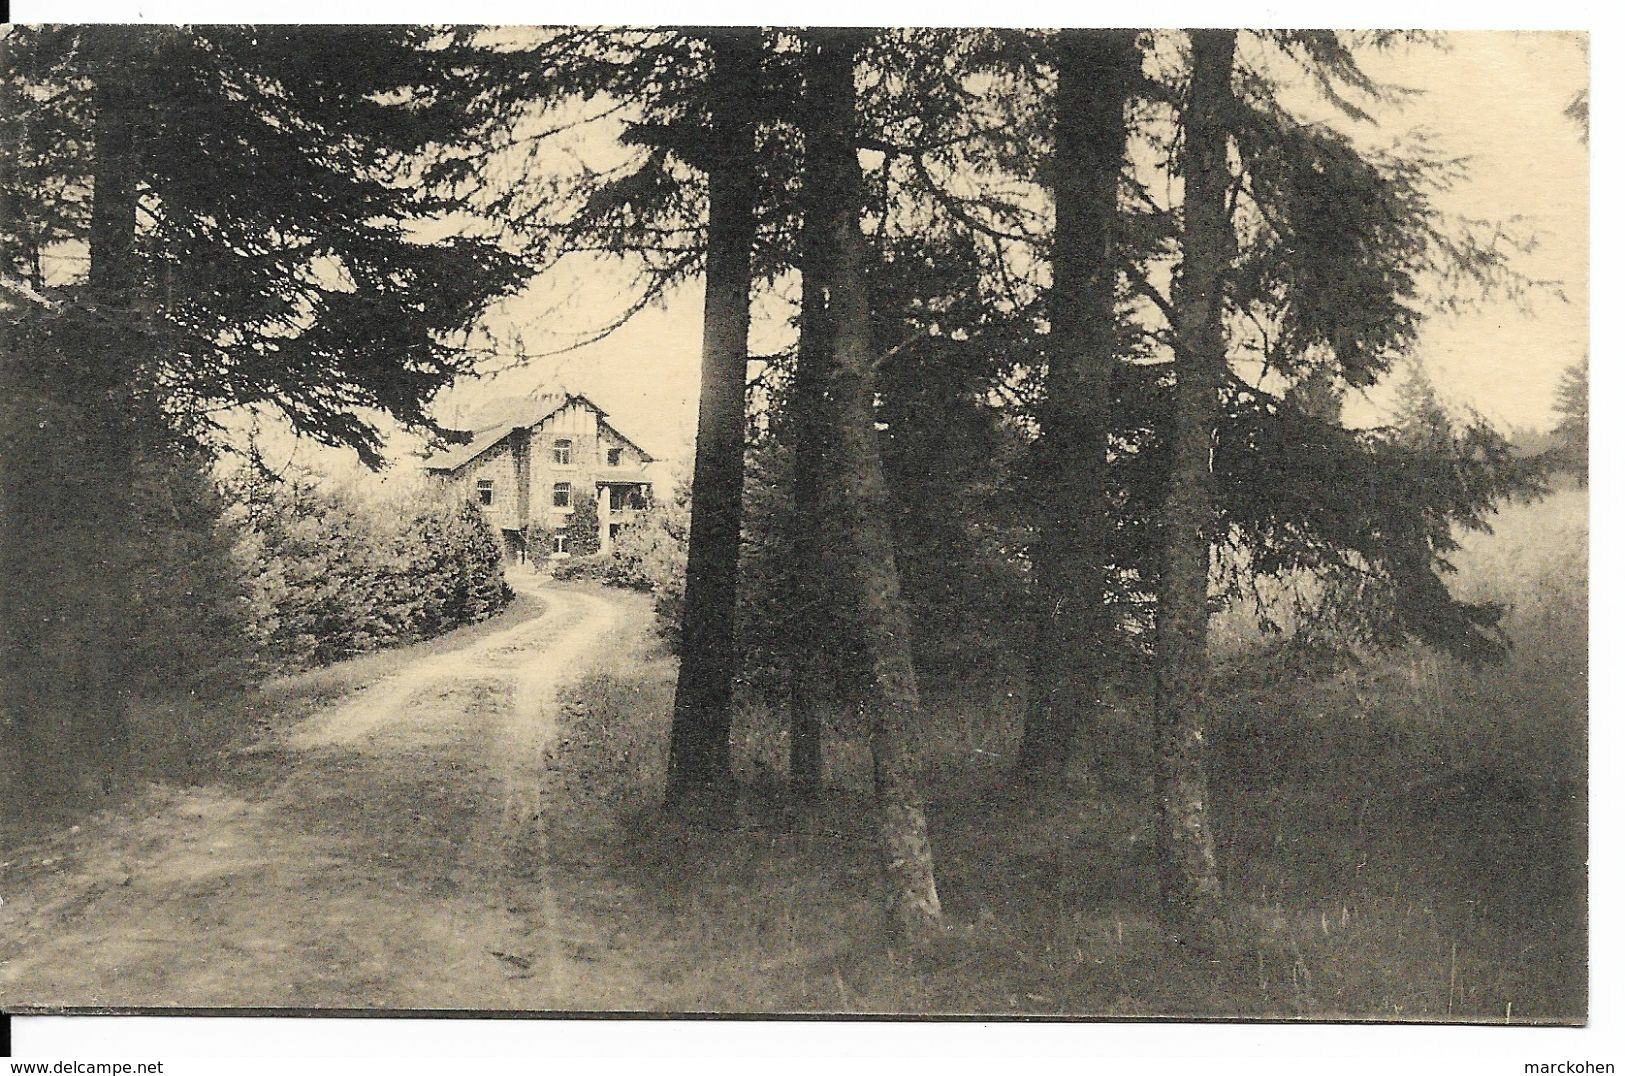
[870, 583]
[247, 204]
[1071, 645]
[699, 777]
[1188, 874]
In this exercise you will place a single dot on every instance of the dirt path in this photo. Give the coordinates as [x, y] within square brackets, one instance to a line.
[389, 851]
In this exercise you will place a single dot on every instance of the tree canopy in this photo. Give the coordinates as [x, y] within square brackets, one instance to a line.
[290, 252]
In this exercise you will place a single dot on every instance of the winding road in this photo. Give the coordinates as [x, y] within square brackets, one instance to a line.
[388, 851]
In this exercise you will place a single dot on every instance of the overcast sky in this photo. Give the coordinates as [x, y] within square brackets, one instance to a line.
[1498, 99]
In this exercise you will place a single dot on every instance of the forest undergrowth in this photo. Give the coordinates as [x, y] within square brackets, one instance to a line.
[1404, 840]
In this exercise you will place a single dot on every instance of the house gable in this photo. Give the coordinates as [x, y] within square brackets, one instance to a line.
[541, 455]
[494, 478]
[610, 437]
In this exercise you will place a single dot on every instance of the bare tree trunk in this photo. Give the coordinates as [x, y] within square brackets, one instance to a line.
[854, 448]
[809, 419]
[1189, 876]
[67, 483]
[1071, 637]
[699, 778]
[95, 711]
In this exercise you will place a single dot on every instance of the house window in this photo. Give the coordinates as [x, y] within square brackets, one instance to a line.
[614, 531]
[617, 498]
[485, 490]
[561, 544]
[561, 495]
[612, 456]
[561, 452]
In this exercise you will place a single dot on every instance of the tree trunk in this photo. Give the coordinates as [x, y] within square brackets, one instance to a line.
[877, 609]
[1073, 627]
[67, 484]
[699, 779]
[809, 420]
[1189, 877]
[96, 700]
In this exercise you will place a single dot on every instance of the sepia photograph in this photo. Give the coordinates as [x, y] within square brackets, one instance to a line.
[818, 521]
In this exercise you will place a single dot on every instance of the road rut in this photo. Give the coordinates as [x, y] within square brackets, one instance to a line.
[389, 851]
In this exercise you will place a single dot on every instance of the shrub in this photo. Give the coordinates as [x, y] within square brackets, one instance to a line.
[330, 576]
[650, 554]
[581, 528]
[189, 604]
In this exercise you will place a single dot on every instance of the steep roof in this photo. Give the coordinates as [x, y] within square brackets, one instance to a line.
[457, 455]
[604, 422]
[515, 412]
[496, 419]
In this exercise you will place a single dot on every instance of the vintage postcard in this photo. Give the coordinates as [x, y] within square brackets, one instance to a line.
[1074, 524]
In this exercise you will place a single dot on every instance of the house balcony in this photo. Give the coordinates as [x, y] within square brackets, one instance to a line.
[622, 495]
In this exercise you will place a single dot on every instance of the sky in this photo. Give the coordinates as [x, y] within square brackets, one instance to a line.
[1496, 99]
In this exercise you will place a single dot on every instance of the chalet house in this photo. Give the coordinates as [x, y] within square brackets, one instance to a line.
[534, 461]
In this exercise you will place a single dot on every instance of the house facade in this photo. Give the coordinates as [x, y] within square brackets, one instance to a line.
[535, 462]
